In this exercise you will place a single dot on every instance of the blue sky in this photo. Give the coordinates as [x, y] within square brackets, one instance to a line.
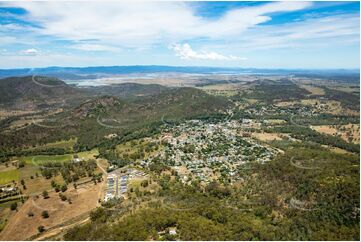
[234, 34]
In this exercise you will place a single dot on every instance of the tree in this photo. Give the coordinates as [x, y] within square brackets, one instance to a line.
[14, 206]
[21, 164]
[64, 188]
[98, 214]
[62, 197]
[144, 183]
[45, 214]
[30, 214]
[45, 194]
[41, 228]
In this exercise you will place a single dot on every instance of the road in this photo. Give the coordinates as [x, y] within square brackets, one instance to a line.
[302, 167]
[100, 193]
[44, 85]
[107, 125]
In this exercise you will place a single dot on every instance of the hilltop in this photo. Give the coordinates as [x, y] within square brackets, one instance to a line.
[36, 90]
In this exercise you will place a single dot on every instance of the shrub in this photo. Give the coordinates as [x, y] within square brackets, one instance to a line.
[14, 206]
[41, 228]
[145, 183]
[64, 188]
[45, 194]
[62, 197]
[45, 214]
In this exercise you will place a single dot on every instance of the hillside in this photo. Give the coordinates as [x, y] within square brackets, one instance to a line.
[99, 116]
[36, 90]
[127, 90]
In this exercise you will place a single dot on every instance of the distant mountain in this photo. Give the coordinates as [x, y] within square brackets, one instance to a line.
[78, 73]
[37, 90]
[40, 90]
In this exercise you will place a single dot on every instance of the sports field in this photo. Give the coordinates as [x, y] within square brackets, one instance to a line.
[40, 159]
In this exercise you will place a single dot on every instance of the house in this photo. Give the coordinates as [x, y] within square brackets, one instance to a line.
[8, 189]
[172, 231]
[247, 121]
[77, 160]
[111, 136]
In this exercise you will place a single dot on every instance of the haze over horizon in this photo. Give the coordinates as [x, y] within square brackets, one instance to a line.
[272, 35]
[183, 67]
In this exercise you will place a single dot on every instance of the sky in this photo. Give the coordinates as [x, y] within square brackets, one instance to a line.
[306, 35]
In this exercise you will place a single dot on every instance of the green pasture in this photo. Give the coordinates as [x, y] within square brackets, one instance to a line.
[9, 176]
[40, 159]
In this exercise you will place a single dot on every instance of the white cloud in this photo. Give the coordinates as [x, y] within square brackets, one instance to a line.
[30, 52]
[320, 32]
[133, 24]
[150, 27]
[95, 47]
[185, 51]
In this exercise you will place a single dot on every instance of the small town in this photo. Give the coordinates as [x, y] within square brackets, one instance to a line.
[210, 151]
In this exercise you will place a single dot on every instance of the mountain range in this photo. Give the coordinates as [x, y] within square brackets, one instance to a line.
[79, 73]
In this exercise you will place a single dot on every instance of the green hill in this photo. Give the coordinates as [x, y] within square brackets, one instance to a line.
[99, 116]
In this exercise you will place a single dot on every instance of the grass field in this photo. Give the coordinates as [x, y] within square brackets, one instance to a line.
[86, 155]
[39, 159]
[9, 176]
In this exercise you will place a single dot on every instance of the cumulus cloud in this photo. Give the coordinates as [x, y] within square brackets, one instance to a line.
[30, 52]
[184, 51]
[147, 23]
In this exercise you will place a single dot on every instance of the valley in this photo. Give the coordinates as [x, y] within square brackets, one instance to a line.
[201, 157]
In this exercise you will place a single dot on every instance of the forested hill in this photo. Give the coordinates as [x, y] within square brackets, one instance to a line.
[98, 116]
[35, 89]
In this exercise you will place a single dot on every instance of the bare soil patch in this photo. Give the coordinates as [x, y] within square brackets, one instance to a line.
[21, 226]
[266, 136]
[349, 132]
[313, 90]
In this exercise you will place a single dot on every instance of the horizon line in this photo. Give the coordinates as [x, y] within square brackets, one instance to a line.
[185, 66]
